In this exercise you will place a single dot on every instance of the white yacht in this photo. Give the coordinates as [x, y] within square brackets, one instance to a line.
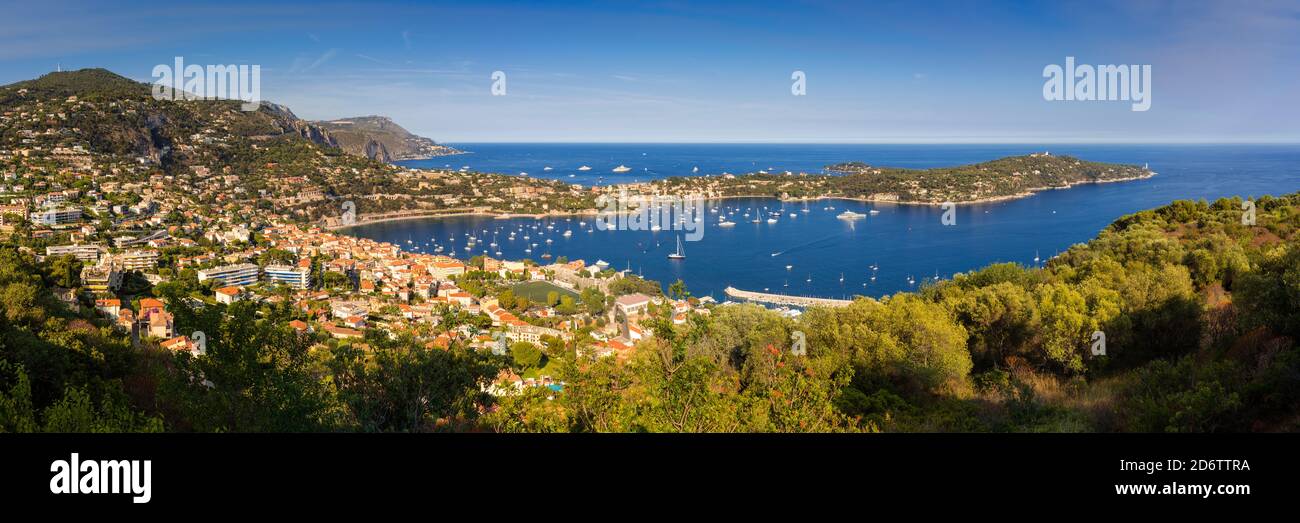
[680, 254]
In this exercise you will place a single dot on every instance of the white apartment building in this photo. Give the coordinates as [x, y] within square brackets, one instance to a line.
[232, 275]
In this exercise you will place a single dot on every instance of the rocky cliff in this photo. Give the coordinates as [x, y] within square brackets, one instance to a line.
[379, 138]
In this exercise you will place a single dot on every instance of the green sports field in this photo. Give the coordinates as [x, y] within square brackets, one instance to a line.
[536, 291]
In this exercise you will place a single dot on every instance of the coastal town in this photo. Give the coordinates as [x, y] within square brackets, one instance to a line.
[247, 207]
[135, 233]
[340, 287]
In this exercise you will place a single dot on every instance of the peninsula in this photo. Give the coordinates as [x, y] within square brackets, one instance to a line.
[1000, 179]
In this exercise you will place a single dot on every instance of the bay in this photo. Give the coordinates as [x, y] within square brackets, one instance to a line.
[830, 257]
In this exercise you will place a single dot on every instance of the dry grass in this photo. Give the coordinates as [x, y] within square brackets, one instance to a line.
[1096, 400]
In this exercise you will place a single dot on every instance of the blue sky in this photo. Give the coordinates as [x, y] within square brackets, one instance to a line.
[678, 71]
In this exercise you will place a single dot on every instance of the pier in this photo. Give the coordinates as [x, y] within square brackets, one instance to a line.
[782, 299]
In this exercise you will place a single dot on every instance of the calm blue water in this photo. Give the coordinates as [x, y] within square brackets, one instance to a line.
[904, 241]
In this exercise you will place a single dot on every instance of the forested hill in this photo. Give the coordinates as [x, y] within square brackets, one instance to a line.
[101, 128]
[1001, 178]
[123, 118]
[1200, 314]
[127, 120]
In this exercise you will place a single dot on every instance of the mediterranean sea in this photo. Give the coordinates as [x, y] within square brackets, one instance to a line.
[817, 254]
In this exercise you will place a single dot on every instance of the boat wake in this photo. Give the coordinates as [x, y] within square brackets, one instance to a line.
[808, 244]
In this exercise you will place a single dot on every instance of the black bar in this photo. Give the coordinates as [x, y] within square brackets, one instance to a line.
[231, 472]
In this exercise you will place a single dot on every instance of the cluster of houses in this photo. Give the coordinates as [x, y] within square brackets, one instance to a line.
[125, 219]
[149, 319]
[418, 286]
[384, 288]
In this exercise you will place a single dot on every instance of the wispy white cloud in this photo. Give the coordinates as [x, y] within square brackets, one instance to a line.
[369, 58]
[325, 57]
[305, 64]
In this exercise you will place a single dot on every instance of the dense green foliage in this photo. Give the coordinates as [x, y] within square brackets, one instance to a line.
[1003, 177]
[1009, 177]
